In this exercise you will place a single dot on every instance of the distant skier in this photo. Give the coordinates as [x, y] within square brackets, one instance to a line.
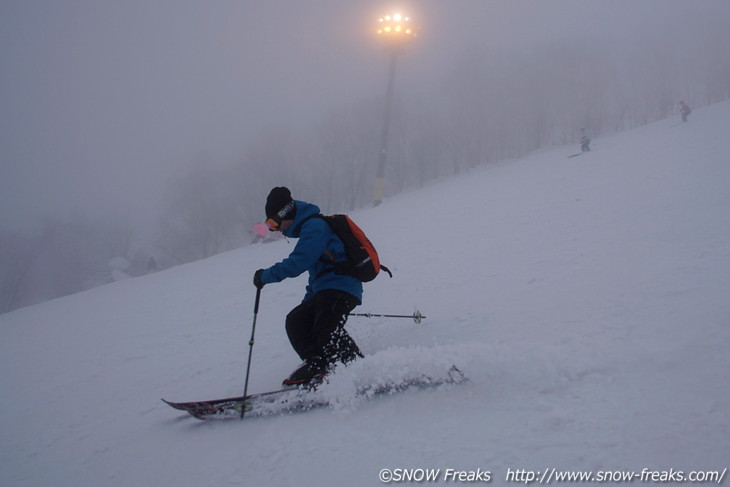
[316, 328]
[260, 233]
[585, 139]
[684, 110]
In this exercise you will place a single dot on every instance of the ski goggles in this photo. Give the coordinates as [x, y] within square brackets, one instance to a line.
[275, 221]
[272, 224]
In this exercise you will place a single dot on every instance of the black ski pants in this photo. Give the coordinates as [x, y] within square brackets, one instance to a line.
[317, 327]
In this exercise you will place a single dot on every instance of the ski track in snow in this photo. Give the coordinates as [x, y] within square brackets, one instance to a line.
[584, 298]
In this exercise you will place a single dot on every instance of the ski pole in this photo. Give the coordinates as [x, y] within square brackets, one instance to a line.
[250, 348]
[416, 317]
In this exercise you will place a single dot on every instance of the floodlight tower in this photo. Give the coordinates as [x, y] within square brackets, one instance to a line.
[396, 31]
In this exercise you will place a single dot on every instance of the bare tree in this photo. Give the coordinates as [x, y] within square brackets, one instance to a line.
[17, 255]
[201, 219]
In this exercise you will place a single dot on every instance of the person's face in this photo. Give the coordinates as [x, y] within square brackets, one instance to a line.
[275, 226]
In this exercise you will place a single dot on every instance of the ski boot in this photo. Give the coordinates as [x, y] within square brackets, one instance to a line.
[309, 375]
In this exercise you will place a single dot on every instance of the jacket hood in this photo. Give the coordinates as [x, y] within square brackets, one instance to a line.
[304, 211]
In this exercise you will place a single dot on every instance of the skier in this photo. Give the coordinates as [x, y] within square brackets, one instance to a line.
[684, 110]
[151, 265]
[260, 233]
[316, 326]
[585, 139]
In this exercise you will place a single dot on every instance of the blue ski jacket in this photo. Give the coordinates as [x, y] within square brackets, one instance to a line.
[317, 242]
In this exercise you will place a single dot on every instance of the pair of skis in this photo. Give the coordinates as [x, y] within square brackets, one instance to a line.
[282, 400]
[300, 399]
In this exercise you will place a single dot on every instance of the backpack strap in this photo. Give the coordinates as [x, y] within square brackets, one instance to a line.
[331, 264]
[329, 261]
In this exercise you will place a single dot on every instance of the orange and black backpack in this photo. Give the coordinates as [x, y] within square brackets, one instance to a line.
[362, 258]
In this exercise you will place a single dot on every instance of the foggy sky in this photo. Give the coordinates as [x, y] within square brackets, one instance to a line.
[103, 101]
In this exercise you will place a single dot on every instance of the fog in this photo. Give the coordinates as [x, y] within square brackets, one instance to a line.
[106, 104]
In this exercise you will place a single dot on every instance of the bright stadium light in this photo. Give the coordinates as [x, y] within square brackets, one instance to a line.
[396, 31]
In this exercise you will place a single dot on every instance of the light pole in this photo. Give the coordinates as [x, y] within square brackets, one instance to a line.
[396, 30]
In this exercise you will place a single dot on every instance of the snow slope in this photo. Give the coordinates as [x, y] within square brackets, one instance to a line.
[585, 298]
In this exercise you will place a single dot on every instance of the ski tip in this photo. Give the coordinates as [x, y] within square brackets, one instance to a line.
[172, 404]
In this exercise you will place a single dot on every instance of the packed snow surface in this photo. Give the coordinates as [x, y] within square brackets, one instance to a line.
[586, 299]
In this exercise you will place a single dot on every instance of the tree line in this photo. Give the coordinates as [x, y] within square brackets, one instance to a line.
[492, 104]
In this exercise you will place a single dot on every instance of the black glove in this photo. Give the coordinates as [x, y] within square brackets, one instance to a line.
[257, 279]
